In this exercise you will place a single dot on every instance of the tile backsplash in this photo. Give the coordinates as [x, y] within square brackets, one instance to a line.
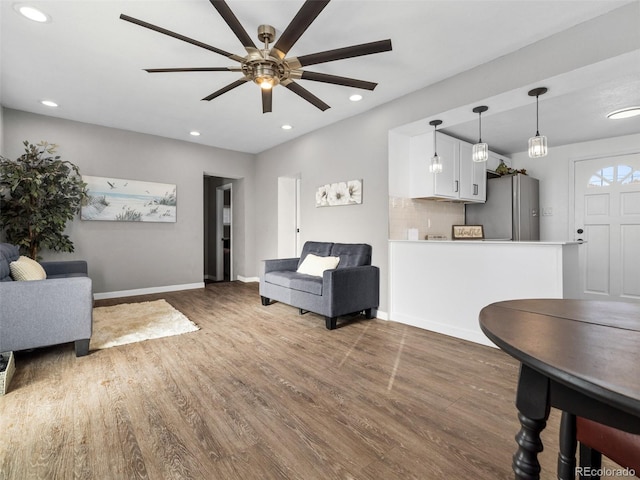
[429, 217]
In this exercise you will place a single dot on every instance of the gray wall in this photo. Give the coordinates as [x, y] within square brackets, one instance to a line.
[357, 147]
[132, 255]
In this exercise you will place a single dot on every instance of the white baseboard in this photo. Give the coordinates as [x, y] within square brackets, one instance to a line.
[147, 291]
[382, 315]
[247, 279]
[452, 331]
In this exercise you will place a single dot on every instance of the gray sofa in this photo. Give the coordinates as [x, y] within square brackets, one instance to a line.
[47, 312]
[352, 287]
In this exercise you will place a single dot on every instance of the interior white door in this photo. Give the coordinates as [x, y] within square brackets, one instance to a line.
[607, 217]
[287, 217]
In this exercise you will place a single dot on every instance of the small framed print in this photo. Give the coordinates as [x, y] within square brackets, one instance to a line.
[467, 232]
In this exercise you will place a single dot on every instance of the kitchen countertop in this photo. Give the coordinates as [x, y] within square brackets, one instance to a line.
[492, 242]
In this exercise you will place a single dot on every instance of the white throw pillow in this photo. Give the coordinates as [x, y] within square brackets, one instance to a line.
[26, 268]
[315, 265]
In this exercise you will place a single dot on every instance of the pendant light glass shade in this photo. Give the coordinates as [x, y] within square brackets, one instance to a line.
[480, 151]
[537, 146]
[537, 143]
[436, 162]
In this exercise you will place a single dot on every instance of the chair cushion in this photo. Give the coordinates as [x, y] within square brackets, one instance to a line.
[315, 265]
[27, 269]
[352, 254]
[621, 447]
[321, 249]
[295, 281]
[8, 253]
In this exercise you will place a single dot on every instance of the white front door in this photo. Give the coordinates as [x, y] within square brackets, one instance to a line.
[607, 217]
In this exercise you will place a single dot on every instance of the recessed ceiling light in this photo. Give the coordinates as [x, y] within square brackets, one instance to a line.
[624, 113]
[286, 127]
[194, 133]
[32, 13]
[356, 97]
[48, 103]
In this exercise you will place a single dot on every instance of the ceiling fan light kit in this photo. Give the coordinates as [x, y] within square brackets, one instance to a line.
[480, 151]
[537, 143]
[270, 66]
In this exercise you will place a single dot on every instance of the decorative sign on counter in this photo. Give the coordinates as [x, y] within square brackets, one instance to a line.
[467, 232]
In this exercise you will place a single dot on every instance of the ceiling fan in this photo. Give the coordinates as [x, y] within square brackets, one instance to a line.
[269, 67]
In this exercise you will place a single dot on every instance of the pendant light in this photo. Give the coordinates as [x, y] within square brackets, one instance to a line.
[537, 144]
[480, 150]
[436, 162]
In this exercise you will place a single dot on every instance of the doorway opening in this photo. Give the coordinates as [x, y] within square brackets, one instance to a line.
[218, 229]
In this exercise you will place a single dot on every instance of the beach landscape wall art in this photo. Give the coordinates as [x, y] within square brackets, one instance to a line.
[116, 199]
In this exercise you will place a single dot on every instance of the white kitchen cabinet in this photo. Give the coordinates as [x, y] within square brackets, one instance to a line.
[473, 176]
[461, 178]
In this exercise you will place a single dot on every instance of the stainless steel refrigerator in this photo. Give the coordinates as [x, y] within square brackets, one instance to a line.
[511, 210]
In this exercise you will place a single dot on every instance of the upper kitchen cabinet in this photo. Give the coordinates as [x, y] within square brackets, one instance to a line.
[461, 178]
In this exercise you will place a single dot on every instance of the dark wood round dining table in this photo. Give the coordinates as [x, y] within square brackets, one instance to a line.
[580, 356]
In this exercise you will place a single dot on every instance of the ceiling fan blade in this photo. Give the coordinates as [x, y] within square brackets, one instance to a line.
[195, 69]
[233, 22]
[231, 86]
[307, 95]
[305, 16]
[164, 31]
[335, 79]
[345, 52]
[267, 97]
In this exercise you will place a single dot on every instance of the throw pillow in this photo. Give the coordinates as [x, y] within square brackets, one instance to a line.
[315, 265]
[27, 269]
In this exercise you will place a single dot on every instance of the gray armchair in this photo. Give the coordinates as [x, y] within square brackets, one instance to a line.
[47, 312]
[352, 287]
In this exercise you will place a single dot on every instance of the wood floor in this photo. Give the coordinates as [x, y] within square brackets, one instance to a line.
[263, 393]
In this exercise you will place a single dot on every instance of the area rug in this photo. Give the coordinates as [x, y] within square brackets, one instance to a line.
[135, 322]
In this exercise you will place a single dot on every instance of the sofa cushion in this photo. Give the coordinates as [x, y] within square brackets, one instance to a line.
[27, 269]
[8, 253]
[315, 265]
[321, 249]
[295, 281]
[352, 254]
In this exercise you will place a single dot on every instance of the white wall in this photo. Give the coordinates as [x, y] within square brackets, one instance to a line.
[135, 255]
[555, 174]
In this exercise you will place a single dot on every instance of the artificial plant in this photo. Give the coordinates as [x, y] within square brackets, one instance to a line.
[39, 194]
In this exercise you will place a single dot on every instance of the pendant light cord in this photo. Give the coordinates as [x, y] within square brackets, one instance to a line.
[480, 127]
[435, 149]
[537, 117]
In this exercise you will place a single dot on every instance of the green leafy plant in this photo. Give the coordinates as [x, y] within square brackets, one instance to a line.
[39, 194]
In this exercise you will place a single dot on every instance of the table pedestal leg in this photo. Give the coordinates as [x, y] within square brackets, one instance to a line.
[532, 401]
[525, 460]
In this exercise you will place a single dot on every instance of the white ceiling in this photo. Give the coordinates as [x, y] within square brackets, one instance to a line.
[90, 62]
